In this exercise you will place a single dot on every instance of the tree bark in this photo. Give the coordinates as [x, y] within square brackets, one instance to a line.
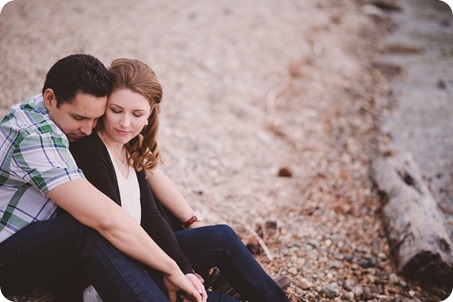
[417, 234]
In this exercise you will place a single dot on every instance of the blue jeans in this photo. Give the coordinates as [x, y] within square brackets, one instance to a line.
[219, 245]
[44, 253]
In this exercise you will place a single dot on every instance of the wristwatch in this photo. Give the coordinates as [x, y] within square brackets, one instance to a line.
[196, 216]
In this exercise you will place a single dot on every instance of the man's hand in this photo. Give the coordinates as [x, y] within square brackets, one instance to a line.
[179, 281]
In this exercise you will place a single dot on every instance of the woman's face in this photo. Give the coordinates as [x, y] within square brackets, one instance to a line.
[126, 115]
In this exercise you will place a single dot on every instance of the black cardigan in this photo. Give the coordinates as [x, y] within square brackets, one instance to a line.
[92, 157]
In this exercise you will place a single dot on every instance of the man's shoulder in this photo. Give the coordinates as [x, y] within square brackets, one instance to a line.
[33, 105]
[29, 118]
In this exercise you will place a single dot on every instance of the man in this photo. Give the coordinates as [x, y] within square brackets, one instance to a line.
[38, 174]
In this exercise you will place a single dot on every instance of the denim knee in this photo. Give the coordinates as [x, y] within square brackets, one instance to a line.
[225, 234]
[225, 229]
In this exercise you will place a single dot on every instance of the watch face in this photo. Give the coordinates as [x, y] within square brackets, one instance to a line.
[198, 216]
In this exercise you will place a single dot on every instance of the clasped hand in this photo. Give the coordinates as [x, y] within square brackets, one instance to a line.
[190, 284]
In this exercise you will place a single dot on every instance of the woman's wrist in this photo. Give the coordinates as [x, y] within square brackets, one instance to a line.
[194, 218]
[196, 224]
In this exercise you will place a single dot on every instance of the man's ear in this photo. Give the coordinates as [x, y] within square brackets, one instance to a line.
[49, 98]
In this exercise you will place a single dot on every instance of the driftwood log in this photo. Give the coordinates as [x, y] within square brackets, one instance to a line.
[419, 240]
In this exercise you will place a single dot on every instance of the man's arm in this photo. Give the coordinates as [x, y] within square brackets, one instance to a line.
[169, 195]
[94, 209]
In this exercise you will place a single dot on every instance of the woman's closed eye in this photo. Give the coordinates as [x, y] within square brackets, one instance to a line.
[116, 110]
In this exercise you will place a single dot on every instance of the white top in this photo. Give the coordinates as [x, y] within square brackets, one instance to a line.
[130, 201]
[129, 191]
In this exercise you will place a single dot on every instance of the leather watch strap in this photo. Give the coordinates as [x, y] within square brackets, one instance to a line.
[196, 216]
[189, 221]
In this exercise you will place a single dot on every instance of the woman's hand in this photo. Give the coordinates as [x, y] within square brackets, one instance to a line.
[179, 281]
[197, 282]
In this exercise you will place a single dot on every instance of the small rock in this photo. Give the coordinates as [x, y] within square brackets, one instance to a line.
[348, 285]
[393, 278]
[331, 290]
[293, 271]
[358, 291]
[285, 172]
[305, 284]
[336, 265]
[311, 296]
[382, 256]
[368, 262]
[367, 295]
[349, 258]
[313, 242]
[384, 298]
[349, 296]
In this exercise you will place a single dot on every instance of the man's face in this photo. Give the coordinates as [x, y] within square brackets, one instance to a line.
[77, 118]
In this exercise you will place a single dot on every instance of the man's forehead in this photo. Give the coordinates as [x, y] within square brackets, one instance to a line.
[88, 106]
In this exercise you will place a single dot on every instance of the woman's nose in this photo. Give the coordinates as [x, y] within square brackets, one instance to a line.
[125, 120]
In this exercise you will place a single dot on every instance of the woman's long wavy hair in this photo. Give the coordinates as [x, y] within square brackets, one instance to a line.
[140, 78]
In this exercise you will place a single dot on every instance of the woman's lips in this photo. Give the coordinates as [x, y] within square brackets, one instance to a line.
[122, 132]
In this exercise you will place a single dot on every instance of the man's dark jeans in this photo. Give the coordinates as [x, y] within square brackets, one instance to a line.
[46, 253]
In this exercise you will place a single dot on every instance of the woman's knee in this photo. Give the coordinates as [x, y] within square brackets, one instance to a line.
[225, 233]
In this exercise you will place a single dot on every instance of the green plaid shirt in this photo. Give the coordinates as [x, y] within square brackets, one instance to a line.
[34, 159]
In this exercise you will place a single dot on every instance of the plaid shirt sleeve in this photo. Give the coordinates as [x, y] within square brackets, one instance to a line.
[44, 161]
[34, 159]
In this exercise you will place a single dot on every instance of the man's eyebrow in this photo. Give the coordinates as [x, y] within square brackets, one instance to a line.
[82, 117]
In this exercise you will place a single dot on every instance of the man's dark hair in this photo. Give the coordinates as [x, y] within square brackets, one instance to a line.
[78, 73]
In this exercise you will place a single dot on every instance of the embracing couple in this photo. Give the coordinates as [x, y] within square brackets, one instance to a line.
[85, 210]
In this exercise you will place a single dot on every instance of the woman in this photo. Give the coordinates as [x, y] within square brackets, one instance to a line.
[121, 159]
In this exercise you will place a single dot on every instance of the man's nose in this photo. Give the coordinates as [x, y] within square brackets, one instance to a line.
[87, 127]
